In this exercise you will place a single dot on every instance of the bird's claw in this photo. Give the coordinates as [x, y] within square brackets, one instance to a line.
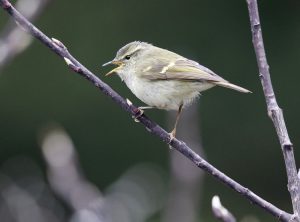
[138, 113]
[171, 138]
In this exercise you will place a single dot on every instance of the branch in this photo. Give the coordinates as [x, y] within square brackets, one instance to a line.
[274, 111]
[220, 211]
[57, 47]
[13, 40]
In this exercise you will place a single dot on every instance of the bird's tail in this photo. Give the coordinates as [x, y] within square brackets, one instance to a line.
[232, 86]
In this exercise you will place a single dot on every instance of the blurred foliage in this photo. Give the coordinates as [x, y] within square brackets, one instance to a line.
[38, 88]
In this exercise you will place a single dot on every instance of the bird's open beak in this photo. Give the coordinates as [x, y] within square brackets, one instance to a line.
[114, 62]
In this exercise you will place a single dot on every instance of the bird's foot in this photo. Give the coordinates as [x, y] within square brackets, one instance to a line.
[139, 112]
[171, 138]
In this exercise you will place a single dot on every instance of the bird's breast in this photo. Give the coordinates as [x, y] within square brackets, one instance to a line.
[163, 94]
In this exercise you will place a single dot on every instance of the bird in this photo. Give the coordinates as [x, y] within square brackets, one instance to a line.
[163, 79]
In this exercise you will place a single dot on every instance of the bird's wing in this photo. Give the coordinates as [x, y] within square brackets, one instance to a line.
[181, 69]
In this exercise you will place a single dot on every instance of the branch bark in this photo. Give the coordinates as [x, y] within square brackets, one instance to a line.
[57, 47]
[274, 111]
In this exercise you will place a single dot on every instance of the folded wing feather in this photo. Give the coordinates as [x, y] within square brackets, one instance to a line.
[186, 70]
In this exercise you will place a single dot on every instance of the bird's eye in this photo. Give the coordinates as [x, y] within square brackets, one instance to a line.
[127, 57]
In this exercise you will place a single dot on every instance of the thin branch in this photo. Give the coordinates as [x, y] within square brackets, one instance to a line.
[220, 211]
[13, 40]
[274, 111]
[57, 47]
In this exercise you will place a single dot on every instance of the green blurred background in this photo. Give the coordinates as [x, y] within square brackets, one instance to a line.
[37, 88]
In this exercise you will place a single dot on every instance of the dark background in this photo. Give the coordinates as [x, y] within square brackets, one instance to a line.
[238, 137]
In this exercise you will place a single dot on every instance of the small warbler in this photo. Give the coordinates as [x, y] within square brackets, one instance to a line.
[163, 79]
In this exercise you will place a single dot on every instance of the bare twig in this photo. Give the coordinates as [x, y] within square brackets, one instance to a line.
[274, 111]
[220, 211]
[152, 127]
[13, 40]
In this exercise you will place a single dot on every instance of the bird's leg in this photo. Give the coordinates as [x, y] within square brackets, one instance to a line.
[140, 111]
[173, 133]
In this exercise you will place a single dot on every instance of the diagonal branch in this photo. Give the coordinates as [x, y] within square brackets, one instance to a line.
[274, 111]
[57, 47]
